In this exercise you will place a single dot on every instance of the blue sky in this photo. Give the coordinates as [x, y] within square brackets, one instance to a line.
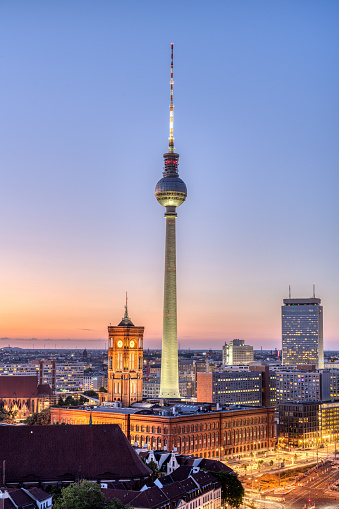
[84, 109]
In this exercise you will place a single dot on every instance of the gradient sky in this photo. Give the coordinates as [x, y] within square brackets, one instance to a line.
[84, 123]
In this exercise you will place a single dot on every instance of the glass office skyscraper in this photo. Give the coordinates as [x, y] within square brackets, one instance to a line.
[302, 332]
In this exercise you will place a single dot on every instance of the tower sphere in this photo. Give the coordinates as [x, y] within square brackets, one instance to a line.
[171, 191]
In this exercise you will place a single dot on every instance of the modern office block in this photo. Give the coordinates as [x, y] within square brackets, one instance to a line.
[302, 332]
[237, 353]
[308, 424]
[302, 386]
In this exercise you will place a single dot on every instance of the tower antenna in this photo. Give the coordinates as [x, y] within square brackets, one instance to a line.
[171, 139]
[313, 290]
[289, 291]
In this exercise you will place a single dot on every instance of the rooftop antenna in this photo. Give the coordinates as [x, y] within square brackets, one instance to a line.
[171, 139]
[289, 291]
[313, 290]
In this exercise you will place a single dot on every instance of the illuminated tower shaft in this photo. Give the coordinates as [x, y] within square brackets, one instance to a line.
[169, 384]
[170, 192]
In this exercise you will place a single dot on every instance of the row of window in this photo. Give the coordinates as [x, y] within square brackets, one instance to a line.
[199, 427]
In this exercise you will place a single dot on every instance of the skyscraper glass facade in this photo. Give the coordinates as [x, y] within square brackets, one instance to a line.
[302, 332]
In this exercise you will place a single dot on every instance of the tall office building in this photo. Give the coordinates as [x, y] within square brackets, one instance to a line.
[125, 362]
[302, 332]
[170, 192]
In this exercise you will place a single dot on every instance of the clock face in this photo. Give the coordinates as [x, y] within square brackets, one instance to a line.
[120, 343]
[132, 344]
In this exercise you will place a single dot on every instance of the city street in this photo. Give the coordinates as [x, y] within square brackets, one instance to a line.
[315, 488]
[310, 491]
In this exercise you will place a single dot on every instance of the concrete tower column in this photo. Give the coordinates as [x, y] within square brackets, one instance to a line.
[169, 384]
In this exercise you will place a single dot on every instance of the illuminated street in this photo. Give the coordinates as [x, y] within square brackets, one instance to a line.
[312, 490]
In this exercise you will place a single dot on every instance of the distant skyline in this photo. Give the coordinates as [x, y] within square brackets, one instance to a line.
[84, 124]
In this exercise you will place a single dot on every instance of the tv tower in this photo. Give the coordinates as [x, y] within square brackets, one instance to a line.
[170, 192]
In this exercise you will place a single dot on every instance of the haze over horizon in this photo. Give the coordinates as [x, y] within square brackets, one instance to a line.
[85, 95]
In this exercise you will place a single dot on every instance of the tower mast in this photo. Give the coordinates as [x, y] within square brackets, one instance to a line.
[171, 138]
[170, 192]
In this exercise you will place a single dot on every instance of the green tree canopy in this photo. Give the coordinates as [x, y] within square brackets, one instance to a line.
[102, 389]
[232, 491]
[7, 416]
[91, 393]
[43, 417]
[86, 495]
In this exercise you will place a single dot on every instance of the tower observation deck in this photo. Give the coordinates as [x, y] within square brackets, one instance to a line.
[170, 192]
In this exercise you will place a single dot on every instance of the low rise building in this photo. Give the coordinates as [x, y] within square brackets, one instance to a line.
[21, 498]
[21, 395]
[55, 455]
[59, 376]
[151, 387]
[308, 424]
[301, 385]
[187, 429]
[254, 385]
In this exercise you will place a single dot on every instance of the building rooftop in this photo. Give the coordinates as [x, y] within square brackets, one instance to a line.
[22, 386]
[67, 452]
[172, 411]
[298, 302]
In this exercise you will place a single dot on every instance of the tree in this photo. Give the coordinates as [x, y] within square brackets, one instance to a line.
[154, 467]
[86, 495]
[102, 389]
[61, 401]
[91, 393]
[232, 491]
[7, 416]
[41, 418]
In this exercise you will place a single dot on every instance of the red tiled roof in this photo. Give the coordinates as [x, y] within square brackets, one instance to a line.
[21, 499]
[179, 474]
[175, 490]
[126, 496]
[99, 451]
[39, 494]
[214, 466]
[8, 504]
[18, 386]
[205, 480]
[153, 497]
[44, 389]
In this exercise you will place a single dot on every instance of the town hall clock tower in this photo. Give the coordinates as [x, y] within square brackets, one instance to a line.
[125, 361]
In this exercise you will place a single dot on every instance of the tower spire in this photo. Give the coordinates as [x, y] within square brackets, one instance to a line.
[126, 319]
[171, 138]
[126, 311]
